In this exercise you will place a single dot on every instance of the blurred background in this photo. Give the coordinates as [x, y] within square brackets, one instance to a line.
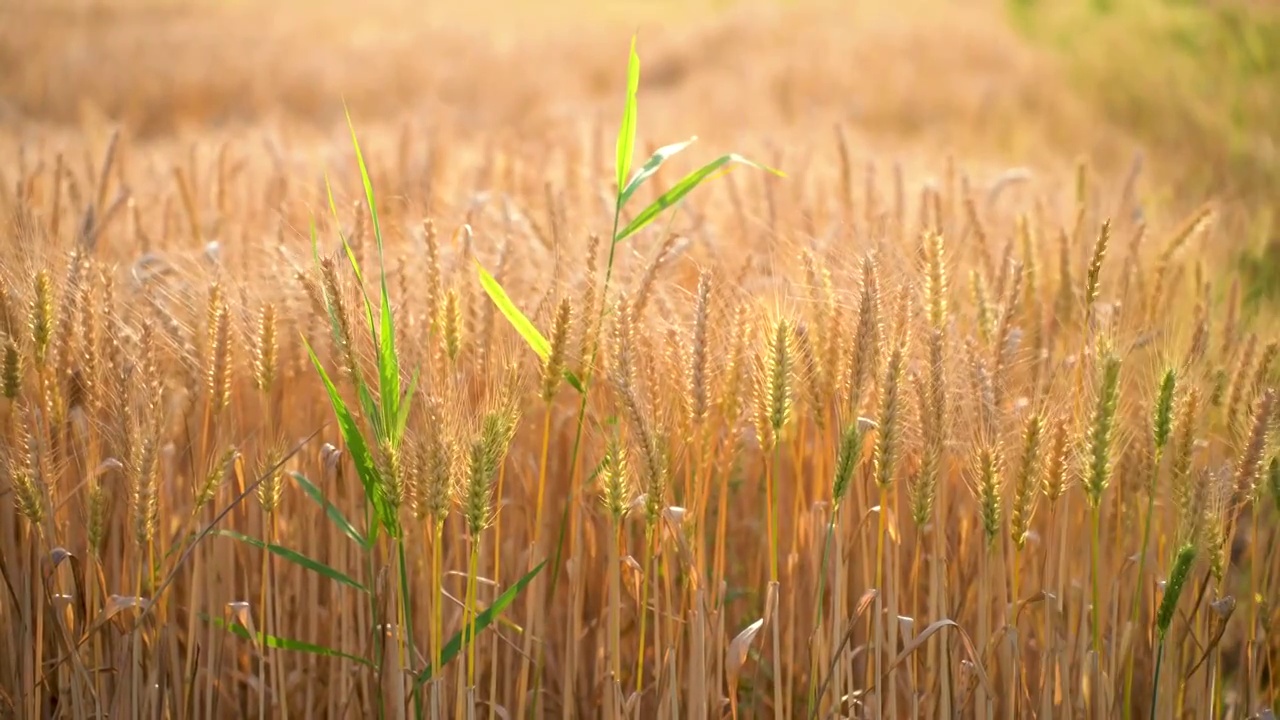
[1190, 88]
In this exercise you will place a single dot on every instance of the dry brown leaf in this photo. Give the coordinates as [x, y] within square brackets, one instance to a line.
[736, 657]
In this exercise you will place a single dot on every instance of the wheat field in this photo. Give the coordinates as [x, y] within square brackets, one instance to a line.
[386, 361]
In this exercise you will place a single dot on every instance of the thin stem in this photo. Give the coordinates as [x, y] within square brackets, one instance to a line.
[267, 626]
[437, 616]
[1252, 641]
[615, 621]
[817, 623]
[644, 602]
[772, 510]
[1012, 609]
[1138, 593]
[1155, 683]
[470, 610]
[984, 706]
[877, 622]
[1096, 561]
[406, 619]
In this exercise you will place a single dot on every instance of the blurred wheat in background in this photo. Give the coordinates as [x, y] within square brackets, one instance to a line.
[388, 361]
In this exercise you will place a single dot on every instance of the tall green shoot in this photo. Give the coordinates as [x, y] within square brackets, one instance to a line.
[625, 190]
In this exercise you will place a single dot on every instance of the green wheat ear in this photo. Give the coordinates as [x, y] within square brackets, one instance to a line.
[1173, 588]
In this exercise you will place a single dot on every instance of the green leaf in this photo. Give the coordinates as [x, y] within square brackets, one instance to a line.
[627, 131]
[483, 620]
[509, 310]
[682, 188]
[388, 361]
[368, 185]
[655, 161]
[402, 410]
[296, 558]
[574, 381]
[389, 373]
[274, 641]
[330, 509]
[354, 441]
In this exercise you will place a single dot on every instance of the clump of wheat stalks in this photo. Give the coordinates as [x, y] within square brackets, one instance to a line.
[768, 471]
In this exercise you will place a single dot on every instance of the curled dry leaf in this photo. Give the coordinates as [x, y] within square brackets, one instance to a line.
[674, 516]
[1224, 606]
[632, 573]
[1037, 598]
[935, 627]
[891, 523]
[115, 605]
[58, 554]
[480, 579]
[771, 601]
[330, 456]
[240, 612]
[906, 625]
[865, 601]
[107, 466]
[633, 702]
[736, 657]
[56, 557]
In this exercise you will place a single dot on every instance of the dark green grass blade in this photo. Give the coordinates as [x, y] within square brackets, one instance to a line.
[296, 558]
[483, 620]
[402, 411]
[681, 189]
[274, 641]
[335, 515]
[388, 361]
[365, 468]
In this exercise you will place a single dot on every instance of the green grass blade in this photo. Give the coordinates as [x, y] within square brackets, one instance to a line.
[509, 310]
[335, 515]
[654, 163]
[627, 130]
[365, 468]
[389, 373]
[681, 189]
[535, 339]
[402, 409]
[274, 641]
[574, 381]
[483, 620]
[296, 558]
[388, 361]
[368, 185]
